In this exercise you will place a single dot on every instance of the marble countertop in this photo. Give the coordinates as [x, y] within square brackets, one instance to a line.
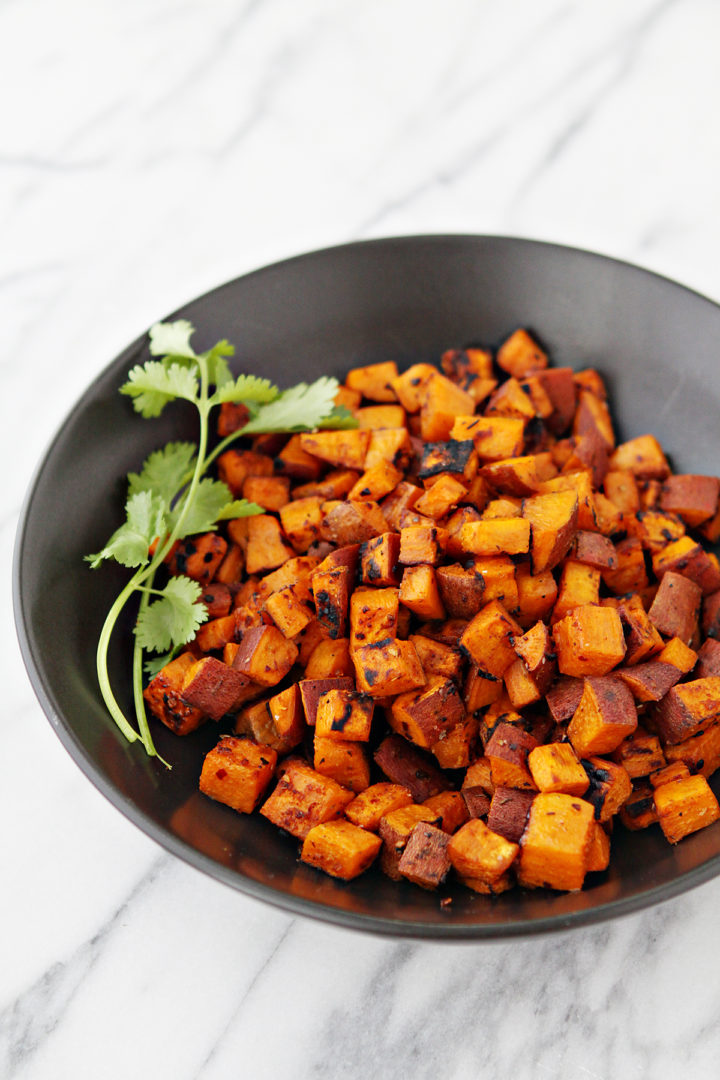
[150, 150]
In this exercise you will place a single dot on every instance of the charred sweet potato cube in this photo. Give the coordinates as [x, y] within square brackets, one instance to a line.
[265, 655]
[311, 690]
[495, 437]
[592, 416]
[345, 715]
[605, 716]
[373, 616]
[374, 380]
[296, 571]
[480, 689]
[556, 844]
[610, 786]
[420, 544]
[555, 767]
[425, 860]
[579, 584]
[453, 526]
[163, 697]
[331, 589]
[643, 457]
[459, 363]
[392, 445]
[270, 492]
[656, 529]
[676, 607]
[507, 752]
[296, 463]
[290, 610]
[237, 772]
[303, 798]
[437, 658]
[419, 592]
[230, 569]
[329, 659]
[650, 681]
[640, 754]
[233, 415]
[424, 715]
[212, 686]
[407, 766]
[461, 590]
[554, 520]
[489, 639]
[684, 806]
[687, 708]
[510, 400]
[387, 667]
[520, 354]
[700, 753]
[334, 485]
[379, 560]
[537, 594]
[680, 655]
[508, 814]
[369, 807]
[342, 760]
[376, 482]
[687, 557]
[409, 386]
[450, 808]
[476, 851]
[641, 636]
[301, 521]
[342, 448]
[498, 536]
[589, 641]
[629, 575]
[693, 498]
[442, 401]
[638, 811]
[217, 598]
[340, 849]
[535, 649]
[198, 557]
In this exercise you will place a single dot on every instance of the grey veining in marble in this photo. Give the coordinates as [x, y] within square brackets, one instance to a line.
[150, 150]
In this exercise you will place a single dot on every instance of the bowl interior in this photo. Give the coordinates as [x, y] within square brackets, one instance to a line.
[404, 299]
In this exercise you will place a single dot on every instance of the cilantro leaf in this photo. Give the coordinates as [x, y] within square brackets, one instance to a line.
[219, 373]
[247, 388]
[129, 545]
[153, 384]
[154, 664]
[239, 508]
[172, 339]
[339, 418]
[300, 408]
[174, 618]
[211, 496]
[164, 471]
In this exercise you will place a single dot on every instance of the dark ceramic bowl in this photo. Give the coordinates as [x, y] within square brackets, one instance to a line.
[402, 299]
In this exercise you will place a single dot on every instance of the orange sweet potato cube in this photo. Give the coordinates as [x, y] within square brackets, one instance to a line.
[444, 495]
[330, 658]
[507, 752]
[277, 722]
[380, 416]
[409, 386]
[537, 594]
[599, 854]
[555, 767]
[680, 655]
[589, 641]
[510, 400]
[373, 616]
[237, 772]
[495, 437]
[477, 852]
[553, 519]
[642, 456]
[684, 806]
[301, 521]
[419, 592]
[376, 482]
[701, 752]
[640, 754]
[420, 544]
[395, 830]
[461, 590]
[379, 560]
[489, 639]
[345, 715]
[442, 401]
[374, 381]
[579, 584]
[520, 354]
[163, 697]
[516, 476]
[450, 808]
[369, 807]
[437, 658]
[557, 842]
[265, 656]
[641, 637]
[422, 716]
[198, 557]
[266, 548]
[687, 708]
[213, 686]
[303, 798]
[387, 667]
[605, 716]
[425, 860]
[340, 848]
[343, 761]
[693, 498]
[290, 610]
[496, 536]
[341, 448]
[270, 492]
[610, 786]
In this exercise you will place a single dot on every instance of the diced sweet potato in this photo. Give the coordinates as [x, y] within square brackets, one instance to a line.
[425, 860]
[265, 656]
[605, 716]
[508, 813]
[303, 798]
[641, 637]
[554, 521]
[564, 697]
[343, 448]
[685, 806]
[686, 556]
[450, 808]
[497, 536]
[374, 381]
[212, 686]
[589, 641]
[599, 855]
[442, 402]
[340, 848]
[329, 659]
[407, 766]
[555, 767]
[437, 658]
[379, 560]
[198, 557]
[345, 715]
[344, 761]
[693, 498]
[680, 655]
[520, 354]
[369, 807]
[507, 752]
[557, 842]
[266, 547]
[638, 811]
[387, 667]
[643, 457]
[640, 754]
[676, 607]
[163, 697]
[495, 437]
[489, 639]
[701, 752]
[610, 786]
[461, 590]
[395, 830]
[687, 708]
[650, 681]
[373, 616]
[311, 690]
[301, 521]
[237, 772]
[475, 851]
[579, 584]
[424, 715]
[708, 659]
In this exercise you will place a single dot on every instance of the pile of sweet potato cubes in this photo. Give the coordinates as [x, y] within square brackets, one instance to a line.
[466, 637]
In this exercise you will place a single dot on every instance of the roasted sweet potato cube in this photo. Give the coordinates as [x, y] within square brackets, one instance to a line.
[510, 400]
[265, 656]
[641, 637]
[657, 529]
[376, 417]
[630, 574]
[537, 594]
[676, 607]
[710, 613]
[163, 697]
[476, 851]
[374, 380]
[557, 841]
[610, 786]
[343, 761]
[376, 482]
[708, 659]
[353, 522]
[406, 765]
[234, 467]
[640, 754]
[579, 584]
[373, 616]
[507, 752]
[437, 658]
[270, 492]
[554, 521]
[489, 639]
[605, 716]
[564, 697]
[395, 829]
[685, 806]
[621, 488]
[379, 560]
[450, 808]
[643, 457]
[638, 811]
[559, 385]
[442, 402]
[230, 569]
[296, 463]
[266, 547]
[694, 498]
[303, 798]
[237, 773]
[592, 416]
[479, 774]
[461, 590]
[477, 801]
[701, 752]
[520, 354]
[520, 685]
[198, 557]
[441, 497]
[480, 689]
[345, 715]
[387, 667]
[497, 536]
[508, 812]
[599, 854]
[680, 655]
[424, 715]
[589, 641]
[331, 589]
[424, 860]
[458, 364]
[687, 708]
[495, 437]
[212, 686]
[650, 681]
[217, 598]
[329, 659]
[342, 448]
[535, 649]
[369, 807]
[410, 385]
[419, 592]
[334, 485]
[340, 849]
[311, 690]
[555, 767]
[290, 610]
[233, 415]
[296, 571]
[420, 544]
[686, 556]
[301, 521]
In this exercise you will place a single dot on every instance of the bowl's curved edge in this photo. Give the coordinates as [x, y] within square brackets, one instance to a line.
[456, 933]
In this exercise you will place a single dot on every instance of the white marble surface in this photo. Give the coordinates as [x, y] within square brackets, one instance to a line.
[149, 150]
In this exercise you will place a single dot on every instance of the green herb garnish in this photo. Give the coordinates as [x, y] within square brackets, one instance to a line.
[171, 498]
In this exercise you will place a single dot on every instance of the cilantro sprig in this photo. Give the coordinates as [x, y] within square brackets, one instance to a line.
[171, 497]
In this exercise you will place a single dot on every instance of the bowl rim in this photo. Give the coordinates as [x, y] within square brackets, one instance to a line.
[297, 905]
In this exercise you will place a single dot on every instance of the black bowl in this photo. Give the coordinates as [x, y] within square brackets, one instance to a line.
[404, 299]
